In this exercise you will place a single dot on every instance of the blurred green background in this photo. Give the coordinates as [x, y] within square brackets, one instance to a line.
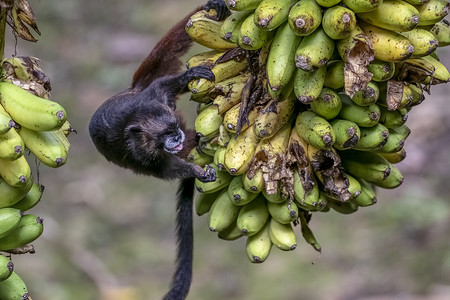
[110, 234]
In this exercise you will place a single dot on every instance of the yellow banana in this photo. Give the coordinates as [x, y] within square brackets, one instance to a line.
[11, 145]
[206, 58]
[272, 13]
[231, 118]
[395, 15]
[424, 42]
[229, 31]
[360, 6]
[29, 110]
[208, 121]
[252, 216]
[48, 146]
[240, 151]
[432, 11]
[203, 29]
[227, 93]
[258, 246]
[223, 213]
[6, 122]
[252, 37]
[15, 172]
[240, 5]
[282, 235]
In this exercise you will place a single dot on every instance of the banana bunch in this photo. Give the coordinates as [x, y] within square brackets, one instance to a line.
[308, 110]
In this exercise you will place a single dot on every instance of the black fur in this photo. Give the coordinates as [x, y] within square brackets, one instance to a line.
[138, 129]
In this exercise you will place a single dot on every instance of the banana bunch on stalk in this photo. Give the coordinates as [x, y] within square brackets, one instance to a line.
[307, 112]
[33, 129]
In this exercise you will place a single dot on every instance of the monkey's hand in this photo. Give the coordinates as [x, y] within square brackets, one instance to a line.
[199, 72]
[220, 7]
[209, 175]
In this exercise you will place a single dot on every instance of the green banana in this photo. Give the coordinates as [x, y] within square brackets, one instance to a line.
[199, 158]
[205, 30]
[32, 198]
[6, 268]
[222, 180]
[253, 216]
[30, 227]
[392, 118]
[284, 212]
[274, 198]
[347, 207]
[273, 117]
[368, 95]
[208, 121]
[366, 165]
[240, 151]
[327, 3]
[13, 288]
[258, 246]
[15, 172]
[229, 31]
[11, 194]
[204, 201]
[334, 77]
[441, 30]
[230, 233]
[223, 213]
[338, 22]
[49, 147]
[315, 130]
[308, 85]
[396, 139]
[395, 15]
[314, 51]
[9, 220]
[417, 92]
[363, 116]
[29, 110]
[360, 6]
[6, 122]
[307, 232]
[393, 180]
[381, 70]
[254, 184]
[395, 157]
[219, 157]
[240, 5]
[208, 146]
[368, 195]
[304, 17]
[280, 62]
[252, 37]
[433, 11]
[11, 145]
[327, 105]
[282, 235]
[272, 13]
[238, 194]
[347, 134]
[424, 42]
[372, 138]
[388, 45]
[354, 187]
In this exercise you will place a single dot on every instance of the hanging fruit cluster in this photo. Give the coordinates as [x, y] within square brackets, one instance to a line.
[308, 109]
[33, 130]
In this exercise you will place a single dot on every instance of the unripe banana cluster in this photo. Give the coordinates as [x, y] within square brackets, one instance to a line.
[307, 112]
[33, 130]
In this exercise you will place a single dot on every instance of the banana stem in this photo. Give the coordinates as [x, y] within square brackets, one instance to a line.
[2, 32]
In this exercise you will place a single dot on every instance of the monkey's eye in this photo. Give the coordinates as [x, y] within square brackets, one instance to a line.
[135, 129]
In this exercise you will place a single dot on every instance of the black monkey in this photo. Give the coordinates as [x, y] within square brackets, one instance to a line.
[138, 129]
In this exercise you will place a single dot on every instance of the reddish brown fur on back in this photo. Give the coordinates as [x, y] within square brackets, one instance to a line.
[163, 59]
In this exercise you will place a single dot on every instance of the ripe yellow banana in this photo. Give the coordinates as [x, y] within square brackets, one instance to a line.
[424, 42]
[231, 118]
[15, 172]
[240, 151]
[432, 11]
[208, 121]
[6, 122]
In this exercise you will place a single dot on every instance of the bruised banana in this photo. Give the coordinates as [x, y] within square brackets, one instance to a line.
[315, 130]
[424, 42]
[432, 11]
[347, 134]
[327, 105]
[231, 118]
[240, 151]
[203, 29]
[360, 6]
[272, 13]
[304, 17]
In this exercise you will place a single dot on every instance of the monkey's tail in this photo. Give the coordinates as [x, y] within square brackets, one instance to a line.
[181, 280]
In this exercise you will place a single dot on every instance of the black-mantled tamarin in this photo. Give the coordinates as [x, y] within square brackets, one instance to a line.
[138, 129]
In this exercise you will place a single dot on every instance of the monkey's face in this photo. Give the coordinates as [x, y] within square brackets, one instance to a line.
[154, 136]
